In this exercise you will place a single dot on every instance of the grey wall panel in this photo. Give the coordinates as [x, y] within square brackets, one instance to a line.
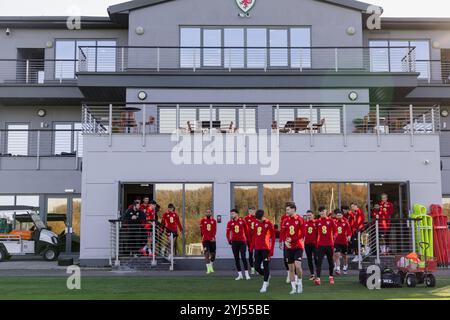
[446, 175]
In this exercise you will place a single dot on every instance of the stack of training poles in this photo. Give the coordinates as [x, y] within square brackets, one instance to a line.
[423, 231]
[441, 236]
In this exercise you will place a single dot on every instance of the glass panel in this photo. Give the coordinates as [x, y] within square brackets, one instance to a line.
[106, 57]
[32, 201]
[212, 57]
[171, 193]
[65, 50]
[379, 56]
[250, 120]
[187, 114]
[63, 139]
[422, 52]
[275, 197]
[18, 140]
[256, 58]
[198, 198]
[300, 58]
[56, 206]
[324, 194]
[355, 192]
[190, 57]
[6, 201]
[332, 117]
[278, 57]
[234, 58]
[446, 203]
[204, 115]
[167, 120]
[76, 215]
[245, 197]
[397, 55]
[88, 54]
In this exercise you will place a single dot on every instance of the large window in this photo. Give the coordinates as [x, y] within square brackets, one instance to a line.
[226, 118]
[102, 58]
[18, 200]
[191, 201]
[245, 47]
[57, 206]
[324, 194]
[272, 197]
[392, 55]
[17, 140]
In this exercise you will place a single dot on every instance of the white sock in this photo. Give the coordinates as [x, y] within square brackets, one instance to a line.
[240, 274]
[246, 273]
[299, 281]
[294, 285]
[287, 273]
[265, 284]
[296, 278]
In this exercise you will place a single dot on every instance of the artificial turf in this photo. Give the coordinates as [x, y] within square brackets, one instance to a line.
[203, 288]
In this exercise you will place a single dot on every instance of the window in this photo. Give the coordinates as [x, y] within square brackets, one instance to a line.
[234, 57]
[212, 56]
[332, 117]
[19, 200]
[56, 206]
[300, 42]
[17, 141]
[167, 120]
[270, 196]
[189, 57]
[67, 140]
[95, 59]
[245, 47]
[324, 194]
[256, 44]
[391, 55]
[198, 198]
[247, 120]
[278, 39]
[446, 204]
[76, 215]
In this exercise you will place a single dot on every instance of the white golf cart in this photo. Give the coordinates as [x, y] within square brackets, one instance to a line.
[37, 239]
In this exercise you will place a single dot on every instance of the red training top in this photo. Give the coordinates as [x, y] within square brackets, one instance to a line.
[326, 230]
[208, 228]
[293, 232]
[237, 230]
[343, 231]
[171, 221]
[311, 232]
[264, 236]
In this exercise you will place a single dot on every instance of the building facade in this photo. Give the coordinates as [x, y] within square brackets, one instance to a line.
[209, 105]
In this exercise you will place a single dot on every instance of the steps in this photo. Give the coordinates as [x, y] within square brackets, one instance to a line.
[142, 264]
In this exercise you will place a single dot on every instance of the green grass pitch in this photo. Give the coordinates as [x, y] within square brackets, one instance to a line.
[204, 288]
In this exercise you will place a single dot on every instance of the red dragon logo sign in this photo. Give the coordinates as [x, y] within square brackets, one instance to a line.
[245, 5]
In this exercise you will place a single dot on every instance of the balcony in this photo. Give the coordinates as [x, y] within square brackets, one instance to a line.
[26, 149]
[244, 59]
[306, 121]
[37, 71]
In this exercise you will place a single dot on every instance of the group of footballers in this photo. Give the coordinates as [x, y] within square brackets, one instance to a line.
[332, 235]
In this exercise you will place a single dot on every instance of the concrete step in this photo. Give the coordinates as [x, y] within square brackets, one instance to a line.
[142, 264]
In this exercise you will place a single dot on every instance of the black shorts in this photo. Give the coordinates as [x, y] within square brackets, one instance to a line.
[354, 241]
[209, 246]
[342, 248]
[293, 255]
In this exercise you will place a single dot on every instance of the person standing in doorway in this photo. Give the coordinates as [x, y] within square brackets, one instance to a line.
[386, 213]
[208, 229]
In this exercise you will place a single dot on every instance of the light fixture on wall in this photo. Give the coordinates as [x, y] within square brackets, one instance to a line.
[140, 30]
[436, 44]
[353, 96]
[142, 95]
[444, 113]
[49, 44]
[426, 162]
[41, 113]
[351, 31]
[8, 32]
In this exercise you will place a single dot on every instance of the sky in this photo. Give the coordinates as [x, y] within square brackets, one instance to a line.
[392, 8]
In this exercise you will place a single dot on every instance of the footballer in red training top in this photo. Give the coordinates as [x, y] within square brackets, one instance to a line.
[311, 243]
[250, 220]
[264, 243]
[326, 230]
[237, 235]
[208, 229]
[292, 234]
[343, 234]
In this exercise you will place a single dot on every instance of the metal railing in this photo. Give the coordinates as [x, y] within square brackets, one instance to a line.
[37, 71]
[40, 143]
[139, 119]
[380, 245]
[141, 246]
[434, 71]
[335, 59]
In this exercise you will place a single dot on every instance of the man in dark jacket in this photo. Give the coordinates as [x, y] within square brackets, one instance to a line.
[134, 233]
